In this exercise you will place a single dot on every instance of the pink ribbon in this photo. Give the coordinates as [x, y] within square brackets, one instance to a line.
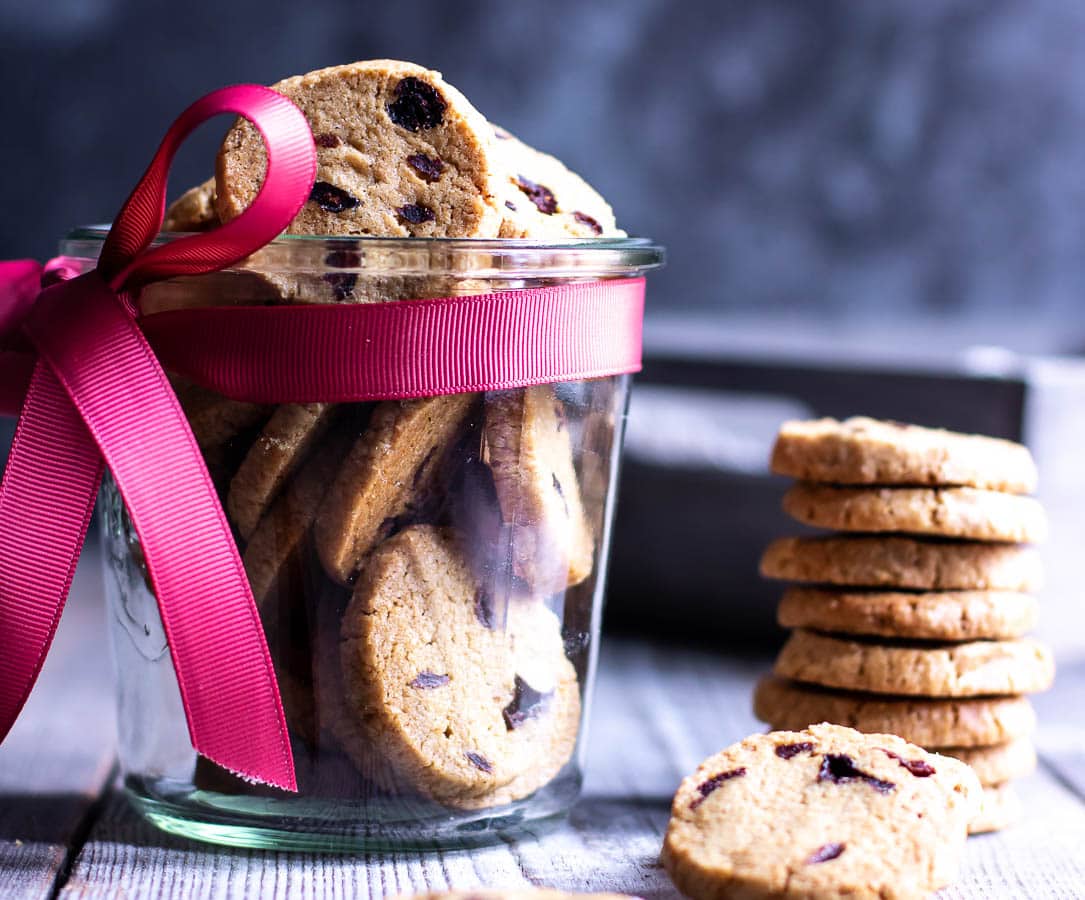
[88, 377]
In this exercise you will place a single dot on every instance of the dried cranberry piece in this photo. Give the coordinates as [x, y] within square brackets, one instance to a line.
[342, 284]
[331, 198]
[839, 768]
[825, 852]
[484, 608]
[539, 194]
[428, 168]
[561, 493]
[327, 140]
[585, 219]
[786, 751]
[479, 761]
[425, 680]
[917, 767]
[416, 213]
[707, 787]
[510, 205]
[526, 704]
[418, 105]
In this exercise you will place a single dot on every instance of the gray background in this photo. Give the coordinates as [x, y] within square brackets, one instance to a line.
[884, 161]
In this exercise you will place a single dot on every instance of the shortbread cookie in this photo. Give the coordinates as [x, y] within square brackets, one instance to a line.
[824, 812]
[899, 562]
[998, 763]
[389, 470]
[291, 433]
[932, 615]
[400, 152]
[446, 695]
[530, 453]
[1000, 807]
[959, 512]
[929, 723]
[194, 210]
[215, 419]
[974, 669]
[868, 451]
[542, 199]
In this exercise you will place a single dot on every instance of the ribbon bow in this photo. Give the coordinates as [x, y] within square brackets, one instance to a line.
[88, 373]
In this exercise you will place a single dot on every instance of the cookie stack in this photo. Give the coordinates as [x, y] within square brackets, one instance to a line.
[911, 619]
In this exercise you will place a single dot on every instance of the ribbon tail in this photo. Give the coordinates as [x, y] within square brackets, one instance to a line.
[46, 499]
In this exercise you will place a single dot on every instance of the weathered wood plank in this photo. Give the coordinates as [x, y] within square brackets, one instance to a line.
[57, 759]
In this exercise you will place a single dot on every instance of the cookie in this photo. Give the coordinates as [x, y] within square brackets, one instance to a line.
[974, 669]
[936, 616]
[471, 713]
[389, 470]
[543, 199]
[959, 512]
[998, 763]
[214, 419]
[194, 210]
[1000, 807]
[400, 152]
[899, 562]
[528, 449]
[823, 812]
[869, 451]
[291, 433]
[929, 723]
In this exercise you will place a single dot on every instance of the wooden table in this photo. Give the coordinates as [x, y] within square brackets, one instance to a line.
[66, 831]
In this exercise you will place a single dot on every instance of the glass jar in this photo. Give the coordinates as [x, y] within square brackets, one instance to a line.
[429, 572]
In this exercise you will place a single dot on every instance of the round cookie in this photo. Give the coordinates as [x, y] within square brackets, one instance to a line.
[998, 763]
[930, 723]
[400, 152]
[868, 451]
[287, 437]
[900, 562]
[959, 512]
[529, 451]
[194, 210]
[1000, 807]
[442, 689]
[975, 669]
[935, 616]
[817, 813]
[389, 470]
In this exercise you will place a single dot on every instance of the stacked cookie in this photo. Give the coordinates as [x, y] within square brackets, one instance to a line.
[911, 618]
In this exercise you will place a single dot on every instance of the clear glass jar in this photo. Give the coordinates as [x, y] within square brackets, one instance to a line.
[429, 573]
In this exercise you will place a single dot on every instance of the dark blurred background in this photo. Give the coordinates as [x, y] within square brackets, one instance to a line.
[869, 207]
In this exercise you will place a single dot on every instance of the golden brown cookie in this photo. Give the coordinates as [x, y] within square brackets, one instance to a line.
[898, 562]
[974, 669]
[929, 615]
[389, 470]
[997, 763]
[194, 210]
[528, 449]
[959, 512]
[215, 419]
[824, 812]
[869, 451]
[930, 723]
[1000, 807]
[400, 152]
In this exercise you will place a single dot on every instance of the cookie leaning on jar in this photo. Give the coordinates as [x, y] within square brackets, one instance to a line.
[368, 496]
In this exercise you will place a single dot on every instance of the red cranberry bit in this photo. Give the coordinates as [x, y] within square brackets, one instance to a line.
[917, 767]
[416, 213]
[585, 219]
[479, 762]
[526, 704]
[484, 608]
[428, 168]
[426, 680]
[327, 141]
[417, 105]
[342, 284]
[825, 852]
[839, 768]
[539, 194]
[787, 751]
[331, 198]
[707, 787]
